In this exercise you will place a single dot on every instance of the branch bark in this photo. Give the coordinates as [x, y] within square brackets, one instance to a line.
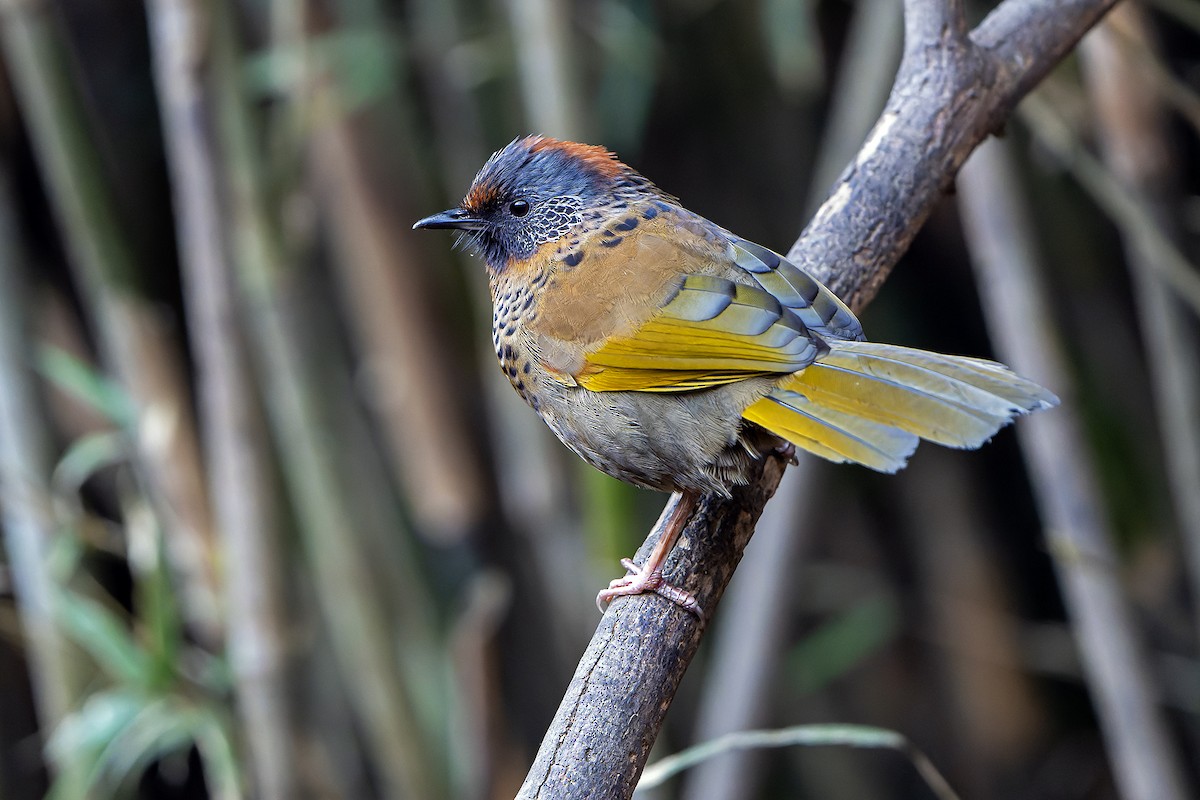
[951, 92]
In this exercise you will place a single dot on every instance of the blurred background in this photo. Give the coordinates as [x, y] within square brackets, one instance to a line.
[275, 525]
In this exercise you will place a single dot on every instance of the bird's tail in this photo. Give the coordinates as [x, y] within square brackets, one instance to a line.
[870, 403]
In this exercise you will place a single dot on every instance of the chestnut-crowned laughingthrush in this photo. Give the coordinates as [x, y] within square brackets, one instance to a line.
[672, 354]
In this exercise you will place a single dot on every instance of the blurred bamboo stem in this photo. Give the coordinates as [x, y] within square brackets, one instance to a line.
[1134, 219]
[749, 640]
[237, 466]
[25, 503]
[1144, 761]
[1132, 126]
[133, 343]
[531, 479]
[269, 284]
[994, 705]
[860, 90]
[750, 637]
[552, 92]
[550, 83]
[427, 436]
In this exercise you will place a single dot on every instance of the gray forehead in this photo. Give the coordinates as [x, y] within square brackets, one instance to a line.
[517, 171]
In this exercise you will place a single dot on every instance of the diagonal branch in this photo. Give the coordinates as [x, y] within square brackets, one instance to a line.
[951, 92]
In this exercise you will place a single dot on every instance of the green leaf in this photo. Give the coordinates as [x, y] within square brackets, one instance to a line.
[85, 383]
[162, 727]
[155, 601]
[86, 456]
[843, 642]
[217, 752]
[84, 733]
[106, 637]
[118, 733]
[362, 63]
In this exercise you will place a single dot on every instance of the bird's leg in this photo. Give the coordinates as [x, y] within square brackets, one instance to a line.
[648, 577]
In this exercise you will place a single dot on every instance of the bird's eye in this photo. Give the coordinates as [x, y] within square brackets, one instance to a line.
[518, 208]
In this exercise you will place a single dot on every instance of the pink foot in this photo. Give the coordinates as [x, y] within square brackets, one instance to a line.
[639, 581]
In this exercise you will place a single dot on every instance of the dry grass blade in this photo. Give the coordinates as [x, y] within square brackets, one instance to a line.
[799, 736]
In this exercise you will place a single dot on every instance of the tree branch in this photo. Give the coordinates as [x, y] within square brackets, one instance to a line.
[950, 93]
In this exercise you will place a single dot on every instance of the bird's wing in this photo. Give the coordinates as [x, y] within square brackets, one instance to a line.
[710, 331]
[816, 306]
[669, 310]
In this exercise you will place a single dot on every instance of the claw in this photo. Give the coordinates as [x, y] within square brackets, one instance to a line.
[639, 581]
[787, 451]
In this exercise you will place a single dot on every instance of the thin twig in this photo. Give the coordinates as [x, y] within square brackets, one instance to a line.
[1018, 313]
[1167, 260]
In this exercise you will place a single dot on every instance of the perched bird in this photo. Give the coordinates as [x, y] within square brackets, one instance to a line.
[672, 354]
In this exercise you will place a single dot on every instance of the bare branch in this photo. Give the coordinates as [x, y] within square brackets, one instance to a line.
[934, 24]
[602, 734]
[945, 101]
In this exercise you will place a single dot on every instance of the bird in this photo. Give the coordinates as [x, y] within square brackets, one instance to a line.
[672, 354]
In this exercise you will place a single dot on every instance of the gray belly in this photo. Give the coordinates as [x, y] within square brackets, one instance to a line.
[665, 441]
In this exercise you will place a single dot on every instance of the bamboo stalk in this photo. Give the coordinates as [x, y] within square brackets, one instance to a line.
[25, 468]
[871, 56]
[237, 464]
[530, 472]
[270, 286]
[1144, 760]
[548, 71]
[1132, 126]
[132, 341]
[427, 431]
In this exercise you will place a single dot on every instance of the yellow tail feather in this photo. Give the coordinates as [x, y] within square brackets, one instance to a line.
[867, 403]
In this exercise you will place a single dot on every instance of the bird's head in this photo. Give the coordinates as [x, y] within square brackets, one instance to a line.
[537, 190]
